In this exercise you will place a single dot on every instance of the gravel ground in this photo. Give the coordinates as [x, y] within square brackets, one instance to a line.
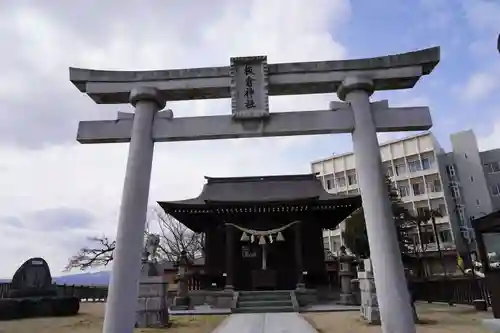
[90, 320]
[435, 319]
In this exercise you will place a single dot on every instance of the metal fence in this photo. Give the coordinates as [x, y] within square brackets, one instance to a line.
[453, 290]
[85, 293]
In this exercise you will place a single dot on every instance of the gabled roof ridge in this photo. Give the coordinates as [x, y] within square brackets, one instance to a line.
[305, 176]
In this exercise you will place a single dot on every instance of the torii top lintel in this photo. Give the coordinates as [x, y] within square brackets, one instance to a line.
[398, 71]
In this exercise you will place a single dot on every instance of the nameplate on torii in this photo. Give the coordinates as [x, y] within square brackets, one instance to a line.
[339, 119]
[249, 87]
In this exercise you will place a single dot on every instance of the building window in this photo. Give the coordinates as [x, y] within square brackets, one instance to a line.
[389, 172]
[442, 209]
[478, 202]
[414, 166]
[492, 167]
[427, 237]
[340, 181]
[450, 171]
[426, 163]
[326, 244]
[437, 185]
[403, 191]
[351, 179]
[422, 211]
[461, 215]
[495, 190]
[445, 236]
[455, 192]
[400, 169]
[418, 188]
[329, 184]
[434, 186]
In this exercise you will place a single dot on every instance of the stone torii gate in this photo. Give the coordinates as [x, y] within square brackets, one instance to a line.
[248, 82]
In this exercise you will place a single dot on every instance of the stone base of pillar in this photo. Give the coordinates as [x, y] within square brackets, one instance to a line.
[180, 303]
[371, 314]
[369, 302]
[152, 309]
[229, 287]
[347, 299]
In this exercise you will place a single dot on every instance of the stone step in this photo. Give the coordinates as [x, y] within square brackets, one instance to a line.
[264, 309]
[250, 304]
[265, 292]
[264, 297]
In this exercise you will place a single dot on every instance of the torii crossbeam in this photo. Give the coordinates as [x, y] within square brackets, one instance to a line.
[248, 82]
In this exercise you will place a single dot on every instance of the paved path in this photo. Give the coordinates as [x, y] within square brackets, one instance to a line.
[290, 322]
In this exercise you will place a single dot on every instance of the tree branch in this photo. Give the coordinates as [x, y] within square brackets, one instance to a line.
[101, 254]
[174, 238]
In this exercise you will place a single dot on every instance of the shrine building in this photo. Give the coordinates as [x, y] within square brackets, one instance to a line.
[264, 233]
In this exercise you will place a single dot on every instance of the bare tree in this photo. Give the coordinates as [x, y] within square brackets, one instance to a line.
[174, 238]
[99, 254]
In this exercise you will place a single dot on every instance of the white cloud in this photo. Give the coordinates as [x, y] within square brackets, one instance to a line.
[481, 85]
[482, 14]
[41, 109]
[490, 140]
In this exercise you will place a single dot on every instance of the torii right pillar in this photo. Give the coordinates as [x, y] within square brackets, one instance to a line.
[392, 292]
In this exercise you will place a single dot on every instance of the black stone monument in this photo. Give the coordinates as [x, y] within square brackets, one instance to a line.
[33, 278]
[32, 294]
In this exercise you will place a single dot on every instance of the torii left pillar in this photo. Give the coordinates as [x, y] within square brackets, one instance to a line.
[120, 311]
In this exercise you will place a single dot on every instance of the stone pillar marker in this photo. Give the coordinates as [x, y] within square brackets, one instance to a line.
[123, 287]
[392, 291]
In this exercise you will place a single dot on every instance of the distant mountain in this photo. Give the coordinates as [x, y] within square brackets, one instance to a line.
[87, 279]
[82, 279]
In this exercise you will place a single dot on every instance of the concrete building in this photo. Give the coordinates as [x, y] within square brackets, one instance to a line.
[491, 166]
[462, 185]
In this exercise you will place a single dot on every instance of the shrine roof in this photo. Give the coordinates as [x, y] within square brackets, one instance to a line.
[286, 194]
[259, 189]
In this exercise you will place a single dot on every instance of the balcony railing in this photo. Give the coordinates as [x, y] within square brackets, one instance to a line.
[432, 247]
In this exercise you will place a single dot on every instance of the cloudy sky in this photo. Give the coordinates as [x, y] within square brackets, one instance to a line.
[56, 192]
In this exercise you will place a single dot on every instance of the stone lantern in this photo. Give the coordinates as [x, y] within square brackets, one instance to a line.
[346, 274]
[181, 301]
